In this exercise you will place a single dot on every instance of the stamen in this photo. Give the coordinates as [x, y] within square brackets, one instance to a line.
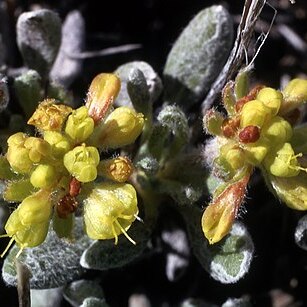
[296, 167]
[138, 218]
[7, 247]
[124, 232]
[115, 234]
[19, 252]
[125, 217]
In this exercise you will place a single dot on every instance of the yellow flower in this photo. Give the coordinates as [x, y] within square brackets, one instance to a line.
[296, 91]
[43, 176]
[60, 144]
[120, 128]
[109, 210]
[81, 162]
[282, 162]
[28, 224]
[254, 113]
[271, 98]
[79, 125]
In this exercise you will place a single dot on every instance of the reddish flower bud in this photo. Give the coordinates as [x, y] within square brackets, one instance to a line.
[74, 187]
[249, 134]
[230, 126]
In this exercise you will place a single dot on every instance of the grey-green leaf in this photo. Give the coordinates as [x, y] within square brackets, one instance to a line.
[39, 39]
[4, 93]
[94, 302]
[153, 81]
[67, 67]
[198, 56]
[104, 254]
[194, 302]
[301, 233]
[28, 88]
[238, 302]
[138, 91]
[226, 261]
[76, 292]
[231, 259]
[52, 264]
[46, 297]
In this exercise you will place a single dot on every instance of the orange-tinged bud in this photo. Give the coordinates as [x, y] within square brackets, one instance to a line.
[222, 211]
[49, 115]
[118, 169]
[101, 94]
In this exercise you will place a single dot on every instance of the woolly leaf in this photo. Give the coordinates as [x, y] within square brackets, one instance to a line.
[193, 302]
[4, 214]
[231, 259]
[53, 263]
[47, 297]
[4, 90]
[104, 254]
[176, 123]
[138, 91]
[153, 81]
[183, 194]
[197, 56]
[76, 292]
[39, 38]
[29, 91]
[67, 67]
[237, 302]
[94, 302]
[148, 165]
[301, 233]
[226, 261]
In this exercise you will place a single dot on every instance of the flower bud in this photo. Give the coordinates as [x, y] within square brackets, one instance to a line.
[38, 149]
[282, 162]
[17, 155]
[121, 128]
[109, 210]
[277, 131]
[101, 94]
[254, 113]
[60, 145]
[118, 169]
[296, 91]
[271, 98]
[49, 115]
[81, 162]
[249, 134]
[230, 126]
[25, 236]
[220, 214]
[43, 176]
[79, 125]
[231, 158]
[256, 152]
[35, 209]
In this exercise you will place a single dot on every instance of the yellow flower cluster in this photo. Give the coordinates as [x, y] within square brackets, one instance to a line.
[257, 132]
[49, 171]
